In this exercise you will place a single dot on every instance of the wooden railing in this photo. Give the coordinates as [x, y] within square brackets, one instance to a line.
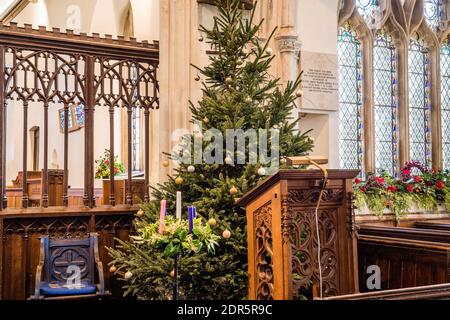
[53, 67]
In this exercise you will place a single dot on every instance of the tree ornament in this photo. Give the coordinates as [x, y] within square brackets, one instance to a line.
[197, 78]
[299, 93]
[269, 51]
[172, 274]
[140, 213]
[200, 39]
[206, 120]
[212, 223]
[229, 161]
[283, 161]
[276, 127]
[239, 61]
[112, 269]
[262, 171]
[166, 163]
[228, 80]
[248, 100]
[226, 234]
[233, 191]
[128, 276]
[179, 180]
[191, 169]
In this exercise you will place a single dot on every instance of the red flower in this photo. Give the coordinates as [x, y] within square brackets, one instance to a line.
[410, 188]
[406, 172]
[363, 188]
[392, 189]
[107, 162]
[417, 179]
[379, 180]
[440, 185]
[357, 181]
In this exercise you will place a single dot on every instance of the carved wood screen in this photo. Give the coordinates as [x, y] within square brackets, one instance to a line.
[52, 67]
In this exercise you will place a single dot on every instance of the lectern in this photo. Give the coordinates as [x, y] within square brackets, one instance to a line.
[282, 236]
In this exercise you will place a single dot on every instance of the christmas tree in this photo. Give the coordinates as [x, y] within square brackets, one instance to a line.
[238, 94]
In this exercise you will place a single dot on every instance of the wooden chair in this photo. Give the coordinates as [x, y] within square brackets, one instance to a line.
[59, 259]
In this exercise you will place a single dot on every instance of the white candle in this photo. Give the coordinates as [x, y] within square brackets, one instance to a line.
[178, 205]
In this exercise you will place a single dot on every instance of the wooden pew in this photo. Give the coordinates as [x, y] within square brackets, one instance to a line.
[421, 234]
[443, 225]
[404, 263]
[435, 292]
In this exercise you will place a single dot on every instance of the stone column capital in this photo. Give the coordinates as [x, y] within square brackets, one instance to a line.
[288, 43]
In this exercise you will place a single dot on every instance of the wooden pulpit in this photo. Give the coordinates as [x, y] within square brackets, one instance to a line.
[282, 237]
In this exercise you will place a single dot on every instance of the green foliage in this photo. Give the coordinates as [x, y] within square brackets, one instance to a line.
[238, 93]
[427, 190]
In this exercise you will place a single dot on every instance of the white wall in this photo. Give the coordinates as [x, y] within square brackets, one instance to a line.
[317, 29]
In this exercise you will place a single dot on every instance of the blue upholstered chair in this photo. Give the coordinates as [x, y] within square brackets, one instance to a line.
[63, 261]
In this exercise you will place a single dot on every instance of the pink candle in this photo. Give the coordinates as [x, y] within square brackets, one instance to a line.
[162, 216]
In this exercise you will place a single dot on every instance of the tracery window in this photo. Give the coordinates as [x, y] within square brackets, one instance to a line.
[445, 103]
[350, 100]
[419, 101]
[386, 103]
[433, 12]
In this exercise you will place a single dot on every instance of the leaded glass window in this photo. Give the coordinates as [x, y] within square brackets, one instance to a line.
[350, 97]
[136, 141]
[445, 101]
[370, 10]
[419, 101]
[385, 94]
[434, 10]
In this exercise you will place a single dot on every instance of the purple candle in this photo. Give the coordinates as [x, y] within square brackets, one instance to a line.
[162, 216]
[191, 219]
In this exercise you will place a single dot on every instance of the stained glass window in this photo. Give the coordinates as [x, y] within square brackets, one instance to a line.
[445, 102]
[434, 10]
[350, 128]
[385, 85]
[136, 143]
[79, 115]
[370, 10]
[419, 102]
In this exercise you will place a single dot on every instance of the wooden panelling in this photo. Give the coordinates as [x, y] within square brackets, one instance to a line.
[21, 230]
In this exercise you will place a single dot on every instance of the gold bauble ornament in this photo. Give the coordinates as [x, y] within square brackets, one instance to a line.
[229, 80]
[200, 39]
[179, 180]
[212, 223]
[299, 93]
[233, 191]
[269, 51]
[248, 100]
[197, 78]
[206, 120]
[172, 274]
[261, 171]
[226, 234]
[166, 163]
[140, 213]
[112, 269]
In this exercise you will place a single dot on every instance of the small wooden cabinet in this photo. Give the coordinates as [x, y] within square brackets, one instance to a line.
[282, 241]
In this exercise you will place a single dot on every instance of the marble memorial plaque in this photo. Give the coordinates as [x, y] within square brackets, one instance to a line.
[320, 82]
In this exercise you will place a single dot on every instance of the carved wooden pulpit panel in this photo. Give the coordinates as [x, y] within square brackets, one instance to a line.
[282, 237]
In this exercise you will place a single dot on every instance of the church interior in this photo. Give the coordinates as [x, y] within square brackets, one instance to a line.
[105, 103]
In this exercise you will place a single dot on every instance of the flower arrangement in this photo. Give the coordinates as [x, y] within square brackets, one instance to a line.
[102, 170]
[416, 184]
